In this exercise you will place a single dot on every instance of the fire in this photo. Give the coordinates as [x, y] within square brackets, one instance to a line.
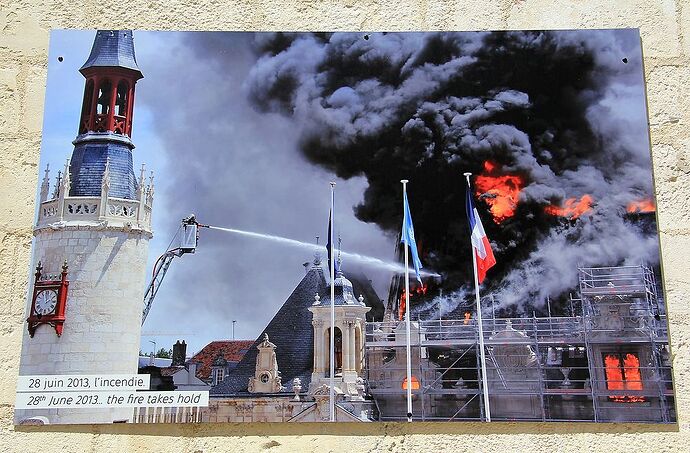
[413, 291]
[625, 377]
[572, 208]
[415, 383]
[501, 192]
[645, 205]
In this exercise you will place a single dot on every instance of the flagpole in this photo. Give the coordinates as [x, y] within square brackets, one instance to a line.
[485, 385]
[331, 394]
[407, 316]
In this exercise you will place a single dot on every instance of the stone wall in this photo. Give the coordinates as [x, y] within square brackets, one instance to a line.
[665, 30]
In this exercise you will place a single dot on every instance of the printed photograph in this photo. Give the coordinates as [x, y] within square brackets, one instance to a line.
[345, 227]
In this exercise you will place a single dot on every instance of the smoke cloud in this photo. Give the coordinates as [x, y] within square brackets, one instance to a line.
[563, 111]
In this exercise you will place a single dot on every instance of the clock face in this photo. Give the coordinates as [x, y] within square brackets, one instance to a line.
[264, 378]
[46, 301]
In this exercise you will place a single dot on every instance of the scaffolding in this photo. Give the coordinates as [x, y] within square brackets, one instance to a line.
[609, 362]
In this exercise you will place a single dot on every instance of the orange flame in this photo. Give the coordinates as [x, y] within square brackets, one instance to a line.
[573, 208]
[415, 383]
[625, 377]
[645, 205]
[413, 291]
[501, 192]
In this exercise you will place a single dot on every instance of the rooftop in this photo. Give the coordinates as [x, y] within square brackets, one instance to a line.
[113, 48]
[230, 350]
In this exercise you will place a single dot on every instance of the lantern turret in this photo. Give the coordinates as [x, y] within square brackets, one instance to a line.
[105, 124]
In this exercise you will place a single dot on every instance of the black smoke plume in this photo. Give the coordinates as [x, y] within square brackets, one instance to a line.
[563, 111]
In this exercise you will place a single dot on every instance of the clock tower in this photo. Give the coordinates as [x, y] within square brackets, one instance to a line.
[91, 241]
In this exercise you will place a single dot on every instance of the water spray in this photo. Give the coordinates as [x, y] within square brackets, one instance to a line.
[364, 259]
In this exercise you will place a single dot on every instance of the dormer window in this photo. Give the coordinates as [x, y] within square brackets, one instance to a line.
[218, 375]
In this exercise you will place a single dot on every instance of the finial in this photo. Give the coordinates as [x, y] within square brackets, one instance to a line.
[65, 179]
[105, 180]
[317, 240]
[317, 299]
[361, 299]
[45, 185]
[58, 183]
[141, 175]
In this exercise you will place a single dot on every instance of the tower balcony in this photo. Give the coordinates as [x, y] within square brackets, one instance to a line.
[95, 212]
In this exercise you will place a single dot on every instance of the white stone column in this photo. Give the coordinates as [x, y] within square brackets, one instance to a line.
[316, 345]
[358, 348]
[345, 330]
[318, 340]
[353, 344]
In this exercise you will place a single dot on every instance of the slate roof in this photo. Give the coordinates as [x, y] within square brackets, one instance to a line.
[343, 292]
[113, 48]
[88, 163]
[292, 333]
[230, 350]
[348, 288]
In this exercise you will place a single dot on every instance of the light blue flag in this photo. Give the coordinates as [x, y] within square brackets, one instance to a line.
[407, 237]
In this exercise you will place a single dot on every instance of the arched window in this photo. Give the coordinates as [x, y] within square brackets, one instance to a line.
[104, 93]
[121, 99]
[338, 350]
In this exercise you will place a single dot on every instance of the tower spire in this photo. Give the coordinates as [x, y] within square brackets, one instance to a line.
[105, 125]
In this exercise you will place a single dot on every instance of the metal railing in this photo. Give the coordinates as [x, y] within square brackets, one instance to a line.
[545, 330]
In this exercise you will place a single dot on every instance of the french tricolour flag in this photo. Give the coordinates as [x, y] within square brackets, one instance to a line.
[480, 243]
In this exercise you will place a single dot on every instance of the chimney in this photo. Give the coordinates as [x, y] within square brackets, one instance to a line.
[179, 353]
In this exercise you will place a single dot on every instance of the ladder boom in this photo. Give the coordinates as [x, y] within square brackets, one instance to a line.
[159, 274]
[188, 242]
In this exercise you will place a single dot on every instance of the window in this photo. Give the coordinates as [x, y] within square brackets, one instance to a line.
[218, 375]
[623, 373]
